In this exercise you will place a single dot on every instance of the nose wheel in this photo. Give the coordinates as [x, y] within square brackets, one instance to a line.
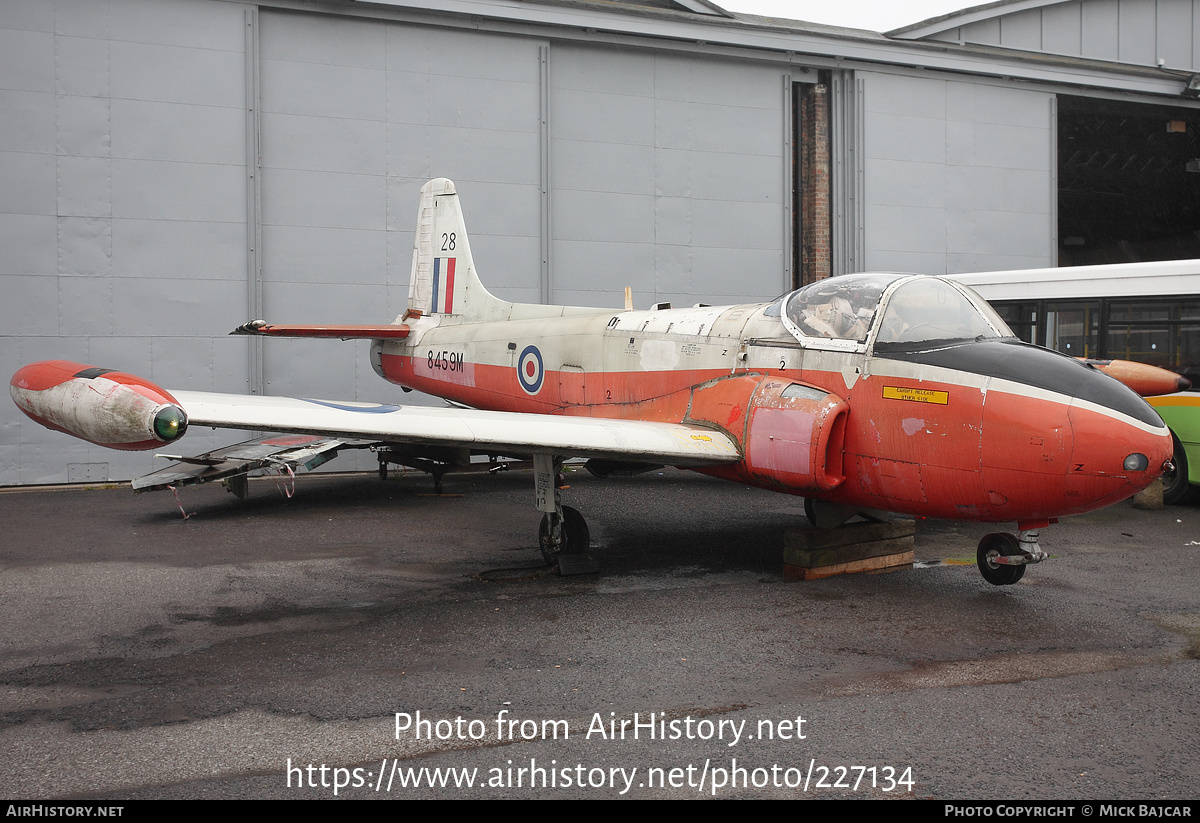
[1175, 480]
[1002, 557]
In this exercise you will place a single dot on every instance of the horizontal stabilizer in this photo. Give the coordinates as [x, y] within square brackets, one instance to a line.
[263, 328]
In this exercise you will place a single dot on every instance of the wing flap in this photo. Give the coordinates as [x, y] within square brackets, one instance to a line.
[505, 432]
[297, 452]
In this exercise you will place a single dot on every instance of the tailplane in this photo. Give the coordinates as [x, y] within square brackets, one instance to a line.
[444, 280]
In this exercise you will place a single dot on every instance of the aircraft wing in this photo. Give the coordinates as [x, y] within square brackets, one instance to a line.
[510, 433]
[123, 411]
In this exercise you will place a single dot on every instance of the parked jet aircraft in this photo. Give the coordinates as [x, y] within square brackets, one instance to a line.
[901, 393]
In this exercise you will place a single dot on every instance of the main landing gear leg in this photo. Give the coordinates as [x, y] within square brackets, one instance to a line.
[563, 532]
[1003, 557]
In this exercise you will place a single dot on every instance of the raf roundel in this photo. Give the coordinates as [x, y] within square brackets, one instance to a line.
[529, 370]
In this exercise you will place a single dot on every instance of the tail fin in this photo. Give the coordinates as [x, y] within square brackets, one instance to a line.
[443, 278]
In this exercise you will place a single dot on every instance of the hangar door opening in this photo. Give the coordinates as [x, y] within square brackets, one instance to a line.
[1128, 182]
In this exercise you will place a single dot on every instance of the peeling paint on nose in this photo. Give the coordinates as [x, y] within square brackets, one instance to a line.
[912, 425]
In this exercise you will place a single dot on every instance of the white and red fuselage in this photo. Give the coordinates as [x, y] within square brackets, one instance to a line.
[990, 429]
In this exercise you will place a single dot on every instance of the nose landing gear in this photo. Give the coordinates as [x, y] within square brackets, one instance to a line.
[1002, 557]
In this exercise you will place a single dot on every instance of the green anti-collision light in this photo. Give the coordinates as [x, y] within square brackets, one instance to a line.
[169, 423]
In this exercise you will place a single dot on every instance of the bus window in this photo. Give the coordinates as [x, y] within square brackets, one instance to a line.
[1073, 328]
[1140, 332]
[1187, 360]
[1021, 318]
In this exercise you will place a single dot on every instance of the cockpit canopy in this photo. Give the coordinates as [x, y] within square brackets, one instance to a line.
[903, 311]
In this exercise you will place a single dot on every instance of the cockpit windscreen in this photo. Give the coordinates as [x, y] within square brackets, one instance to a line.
[927, 309]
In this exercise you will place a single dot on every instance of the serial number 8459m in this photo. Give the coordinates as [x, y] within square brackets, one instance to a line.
[445, 360]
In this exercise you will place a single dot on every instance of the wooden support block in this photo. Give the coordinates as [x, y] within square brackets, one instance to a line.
[810, 554]
[870, 564]
[812, 548]
[849, 533]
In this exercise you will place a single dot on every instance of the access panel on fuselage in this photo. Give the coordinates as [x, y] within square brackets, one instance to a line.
[914, 437]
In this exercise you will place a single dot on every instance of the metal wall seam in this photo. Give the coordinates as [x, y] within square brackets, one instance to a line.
[544, 125]
[254, 297]
[1052, 252]
[789, 188]
[859, 197]
[846, 122]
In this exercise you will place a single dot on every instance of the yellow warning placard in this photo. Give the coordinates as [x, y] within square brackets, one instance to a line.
[916, 395]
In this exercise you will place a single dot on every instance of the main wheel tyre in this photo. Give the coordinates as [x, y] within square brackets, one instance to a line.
[993, 546]
[1175, 482]
[575, 536]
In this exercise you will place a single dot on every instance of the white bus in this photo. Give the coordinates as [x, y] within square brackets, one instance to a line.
[1145, 312]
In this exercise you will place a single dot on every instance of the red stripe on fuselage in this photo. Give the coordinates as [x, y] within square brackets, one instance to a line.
[620, 395]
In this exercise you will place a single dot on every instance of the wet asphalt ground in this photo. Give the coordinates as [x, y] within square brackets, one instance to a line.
[146, 656]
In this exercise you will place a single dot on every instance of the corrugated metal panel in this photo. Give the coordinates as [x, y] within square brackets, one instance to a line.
[960, 183]
[121, 216]
[355, 116]
[985, 32]
[1100, 30]
[1022, 30]
[1138, 32]
[1177, 30]
[666, 175]
[1062, 28]
[28, 59]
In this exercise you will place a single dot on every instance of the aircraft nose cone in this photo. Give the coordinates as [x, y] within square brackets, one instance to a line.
[1115, 454]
